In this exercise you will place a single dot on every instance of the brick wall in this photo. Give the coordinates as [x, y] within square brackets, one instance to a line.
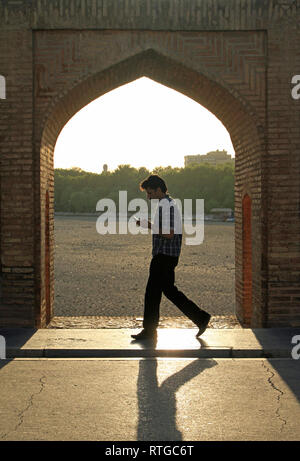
[236, 58]
[247, 260]
[283, 178]
[17, 218]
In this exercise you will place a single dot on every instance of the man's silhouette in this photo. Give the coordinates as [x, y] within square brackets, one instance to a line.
[166, 249]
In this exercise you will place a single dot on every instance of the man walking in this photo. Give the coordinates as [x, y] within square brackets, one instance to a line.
[166, 249]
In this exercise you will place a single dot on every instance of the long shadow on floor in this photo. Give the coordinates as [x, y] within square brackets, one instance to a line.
[157, 403]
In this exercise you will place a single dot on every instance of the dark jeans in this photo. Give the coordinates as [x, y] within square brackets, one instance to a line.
[161, 280]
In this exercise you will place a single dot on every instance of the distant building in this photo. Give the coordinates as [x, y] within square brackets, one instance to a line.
[221, 214]
[216, 157]
[104, 168]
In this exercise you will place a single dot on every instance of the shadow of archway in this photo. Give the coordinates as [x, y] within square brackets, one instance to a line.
[14, 338]
[286, 366]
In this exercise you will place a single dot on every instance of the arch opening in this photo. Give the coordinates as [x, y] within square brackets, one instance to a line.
[239, 120]
[115, 288]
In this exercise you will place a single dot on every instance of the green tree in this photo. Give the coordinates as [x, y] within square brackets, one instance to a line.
[79, 191]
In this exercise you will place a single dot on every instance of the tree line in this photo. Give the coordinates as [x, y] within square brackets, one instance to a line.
[78, 191]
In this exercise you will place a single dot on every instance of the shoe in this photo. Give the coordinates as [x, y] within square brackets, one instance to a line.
[203, 324]
[145, 334]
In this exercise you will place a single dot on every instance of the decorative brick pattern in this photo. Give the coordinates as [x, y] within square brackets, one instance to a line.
[148, 14]
[236, 58]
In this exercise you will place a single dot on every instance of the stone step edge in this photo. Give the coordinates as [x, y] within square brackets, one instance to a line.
[12, 353]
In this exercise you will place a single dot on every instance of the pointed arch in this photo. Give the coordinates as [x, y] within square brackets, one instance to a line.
[239, 118]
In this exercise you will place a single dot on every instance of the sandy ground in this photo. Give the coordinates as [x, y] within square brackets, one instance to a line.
[106, 275]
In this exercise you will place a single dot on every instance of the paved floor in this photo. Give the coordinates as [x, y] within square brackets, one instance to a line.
[100, 385]
[150, 399]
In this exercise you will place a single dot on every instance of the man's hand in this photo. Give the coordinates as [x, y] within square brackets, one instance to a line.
[144, 223]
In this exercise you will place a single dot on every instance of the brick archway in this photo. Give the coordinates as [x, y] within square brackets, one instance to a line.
[236, 114]
[237, 59]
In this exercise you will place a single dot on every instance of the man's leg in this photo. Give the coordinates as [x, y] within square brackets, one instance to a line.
[187, 307]
[153, 295]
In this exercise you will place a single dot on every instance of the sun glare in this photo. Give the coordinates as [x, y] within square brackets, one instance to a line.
[142, 123]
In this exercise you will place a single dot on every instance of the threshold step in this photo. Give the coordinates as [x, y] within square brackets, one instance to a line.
[172, 342]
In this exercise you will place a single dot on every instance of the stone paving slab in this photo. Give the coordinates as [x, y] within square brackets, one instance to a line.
[153, 399]
[228, 343]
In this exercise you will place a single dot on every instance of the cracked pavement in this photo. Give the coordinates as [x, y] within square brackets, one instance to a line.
[279, 395]
[150, 399]
[29, 404]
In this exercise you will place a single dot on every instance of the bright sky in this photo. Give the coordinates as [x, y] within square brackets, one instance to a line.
[142, 123]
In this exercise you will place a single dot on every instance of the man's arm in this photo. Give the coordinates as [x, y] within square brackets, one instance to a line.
[168, 236]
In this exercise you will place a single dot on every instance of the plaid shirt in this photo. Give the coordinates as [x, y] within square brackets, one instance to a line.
[163, 245]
